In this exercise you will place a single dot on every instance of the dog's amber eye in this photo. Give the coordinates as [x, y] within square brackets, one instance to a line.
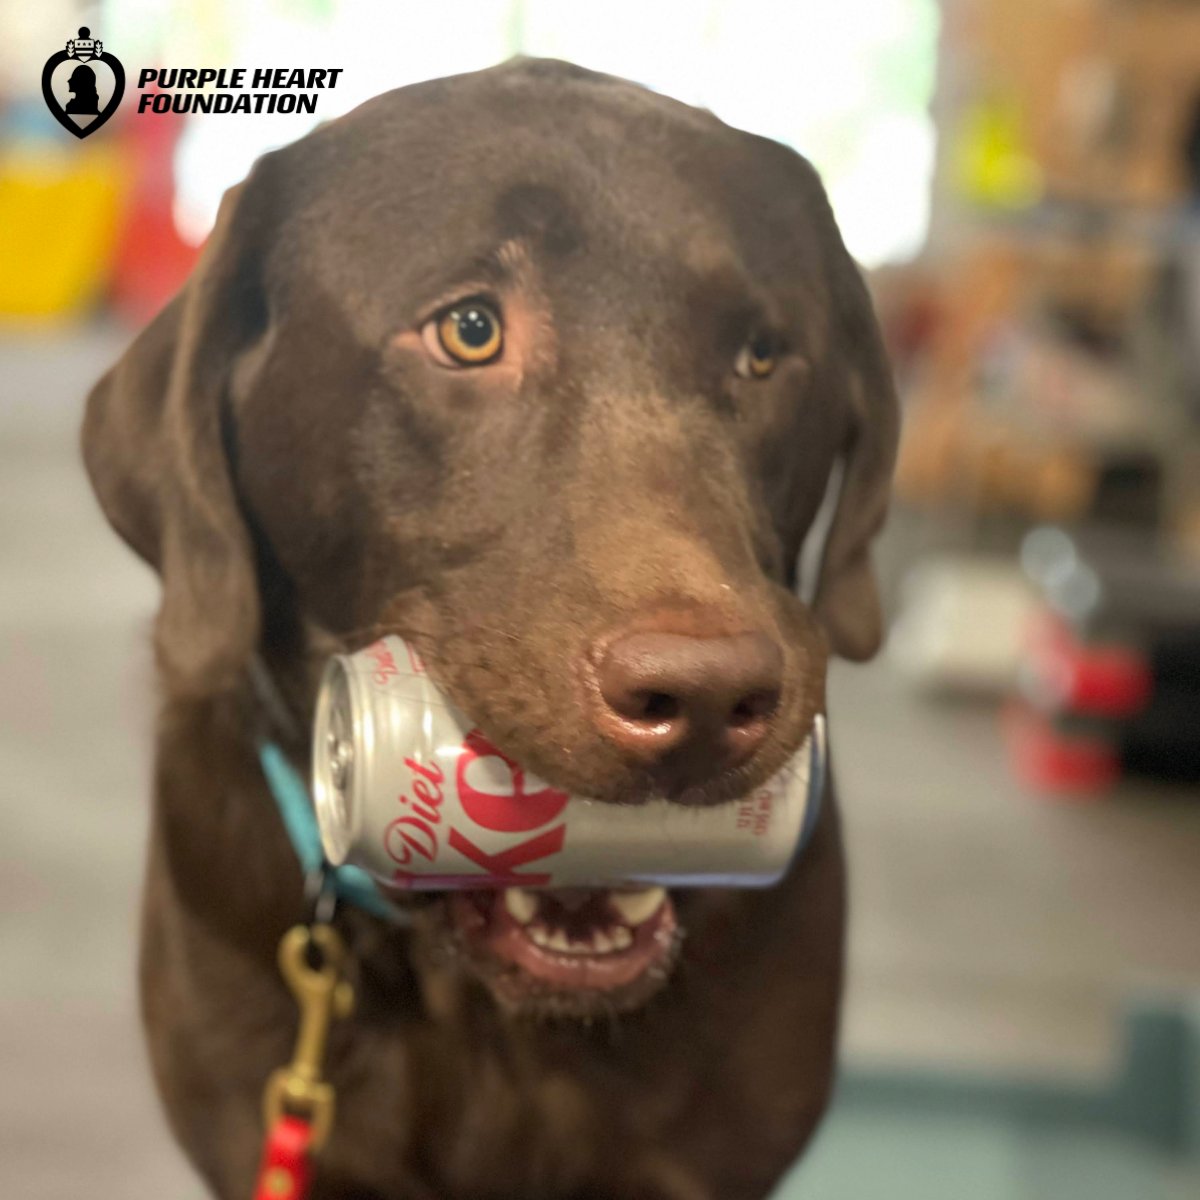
[470, 333]
[757, 358]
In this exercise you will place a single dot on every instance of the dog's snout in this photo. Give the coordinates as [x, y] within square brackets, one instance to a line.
[689, 707]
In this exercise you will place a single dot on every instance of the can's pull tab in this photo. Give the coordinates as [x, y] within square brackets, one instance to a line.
[311, 959]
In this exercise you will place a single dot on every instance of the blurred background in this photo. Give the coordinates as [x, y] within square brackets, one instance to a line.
[1020, 769]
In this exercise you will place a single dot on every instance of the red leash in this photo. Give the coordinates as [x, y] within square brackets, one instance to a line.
[298, 1103]
[286, 1170]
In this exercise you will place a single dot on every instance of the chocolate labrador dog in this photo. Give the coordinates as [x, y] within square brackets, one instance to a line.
[549, 375]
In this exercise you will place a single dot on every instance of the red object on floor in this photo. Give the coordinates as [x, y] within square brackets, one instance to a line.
[1069, 676]
[1060, 764]
[286, 1169]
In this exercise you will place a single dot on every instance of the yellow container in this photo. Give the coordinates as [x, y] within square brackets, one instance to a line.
[59, 214]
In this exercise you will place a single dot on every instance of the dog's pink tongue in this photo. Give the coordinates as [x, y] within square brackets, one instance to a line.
[573, 938]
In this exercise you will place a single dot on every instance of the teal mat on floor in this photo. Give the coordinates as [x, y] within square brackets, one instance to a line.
[913, 1136]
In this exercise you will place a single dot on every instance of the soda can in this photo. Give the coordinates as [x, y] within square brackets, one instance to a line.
[406, 787]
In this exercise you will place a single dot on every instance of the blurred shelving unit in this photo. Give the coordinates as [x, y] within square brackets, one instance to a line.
[1063, 212]
[1048, 342]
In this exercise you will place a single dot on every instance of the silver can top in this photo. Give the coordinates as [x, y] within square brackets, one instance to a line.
[335, 771]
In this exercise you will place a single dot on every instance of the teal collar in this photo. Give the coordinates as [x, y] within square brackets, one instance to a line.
[349, 884]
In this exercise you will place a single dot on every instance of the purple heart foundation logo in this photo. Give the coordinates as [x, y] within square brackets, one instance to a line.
[83, 84]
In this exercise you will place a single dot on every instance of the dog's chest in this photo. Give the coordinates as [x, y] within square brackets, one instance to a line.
[503, 1120]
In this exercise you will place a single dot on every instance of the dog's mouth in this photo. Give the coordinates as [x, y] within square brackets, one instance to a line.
[571, 950]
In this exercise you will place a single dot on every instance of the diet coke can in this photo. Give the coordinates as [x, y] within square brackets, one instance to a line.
[406, 787]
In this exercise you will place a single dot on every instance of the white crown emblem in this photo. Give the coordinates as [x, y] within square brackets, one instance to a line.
[85, 46]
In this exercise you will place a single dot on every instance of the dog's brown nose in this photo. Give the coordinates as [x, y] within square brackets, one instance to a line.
[689, 707]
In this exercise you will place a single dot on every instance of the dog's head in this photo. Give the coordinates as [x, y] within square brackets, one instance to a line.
[550, 375]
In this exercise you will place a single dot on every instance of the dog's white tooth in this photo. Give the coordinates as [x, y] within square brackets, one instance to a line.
[638, 907]
[622, 938]
[539, 935]
[521, 905]
[558, 941]
[601, 943]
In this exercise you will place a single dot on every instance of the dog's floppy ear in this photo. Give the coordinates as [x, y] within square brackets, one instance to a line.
[154, 443]
[856, 369]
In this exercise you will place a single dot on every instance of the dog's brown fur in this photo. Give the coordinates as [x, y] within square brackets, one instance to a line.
[279, 448]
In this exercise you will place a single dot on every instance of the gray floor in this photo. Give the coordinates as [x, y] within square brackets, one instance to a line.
[990, 930]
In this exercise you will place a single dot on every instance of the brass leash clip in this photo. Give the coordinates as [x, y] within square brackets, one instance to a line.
[311, 958]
